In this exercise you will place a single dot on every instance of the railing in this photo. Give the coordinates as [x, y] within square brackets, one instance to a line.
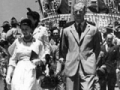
[100, 19]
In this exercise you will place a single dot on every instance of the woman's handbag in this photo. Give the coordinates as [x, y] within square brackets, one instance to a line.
[49, 82]
[40, 68]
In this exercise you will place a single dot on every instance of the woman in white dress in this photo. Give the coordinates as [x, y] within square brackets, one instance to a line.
[21, 68]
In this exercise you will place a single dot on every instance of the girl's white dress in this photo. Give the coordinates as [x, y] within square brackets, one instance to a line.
[24, 76]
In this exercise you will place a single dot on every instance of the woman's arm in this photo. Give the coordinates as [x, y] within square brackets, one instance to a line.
[12, 63]
[40, 54]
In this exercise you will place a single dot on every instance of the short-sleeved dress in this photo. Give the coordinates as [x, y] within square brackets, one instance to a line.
[24, 76]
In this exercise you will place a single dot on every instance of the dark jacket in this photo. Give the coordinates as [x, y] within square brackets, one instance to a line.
[112, 59]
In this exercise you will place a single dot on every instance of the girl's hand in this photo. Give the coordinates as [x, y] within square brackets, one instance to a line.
[9, 74]
[37, 62]
[8, 79]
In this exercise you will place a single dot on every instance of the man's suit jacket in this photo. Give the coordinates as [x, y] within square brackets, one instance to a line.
[83, 51]
[112, 59]
[103, 56]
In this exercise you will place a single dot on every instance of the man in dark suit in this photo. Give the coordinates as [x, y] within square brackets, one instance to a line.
[107, 64]
[79, 48]
[110, 64]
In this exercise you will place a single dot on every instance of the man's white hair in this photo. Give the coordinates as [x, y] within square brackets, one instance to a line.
[79, 6]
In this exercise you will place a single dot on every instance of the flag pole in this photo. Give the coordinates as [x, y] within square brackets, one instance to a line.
[41, 9]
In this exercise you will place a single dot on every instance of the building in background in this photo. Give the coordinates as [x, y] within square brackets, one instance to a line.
[100, 11]
[53, 7]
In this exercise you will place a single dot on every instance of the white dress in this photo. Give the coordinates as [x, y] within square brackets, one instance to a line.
[24, 76]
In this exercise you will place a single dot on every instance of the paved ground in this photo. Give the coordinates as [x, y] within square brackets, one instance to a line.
[2, 85]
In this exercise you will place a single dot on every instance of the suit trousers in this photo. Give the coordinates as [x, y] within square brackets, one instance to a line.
[108, 80]
[80, 81]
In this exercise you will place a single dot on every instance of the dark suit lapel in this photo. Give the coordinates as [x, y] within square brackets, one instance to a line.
[74, 33]
[85, 32]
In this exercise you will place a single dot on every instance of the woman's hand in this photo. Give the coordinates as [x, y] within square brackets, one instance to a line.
[9, 74]
[8, 79]
[37, 62]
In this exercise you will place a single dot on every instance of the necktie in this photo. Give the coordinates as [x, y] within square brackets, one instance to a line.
[79, 30]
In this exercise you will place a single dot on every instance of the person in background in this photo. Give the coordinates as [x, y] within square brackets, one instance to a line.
[6, 28]
[116, 28]
[107, 66]
[54, 48]
[21, 72]
[79, 49]
[55, 36]
[49, 34]
[39, 32]
[4, 55]
[12, 33]
[54, 43]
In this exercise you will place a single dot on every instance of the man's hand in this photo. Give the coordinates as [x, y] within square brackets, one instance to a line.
[101, 71]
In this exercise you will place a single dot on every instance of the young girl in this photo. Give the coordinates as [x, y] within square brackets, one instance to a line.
[21, 68]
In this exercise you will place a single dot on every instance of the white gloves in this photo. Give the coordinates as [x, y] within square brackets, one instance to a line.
[9, 74]
[8, 79]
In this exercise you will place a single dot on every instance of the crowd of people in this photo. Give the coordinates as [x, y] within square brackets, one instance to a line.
[80, 56]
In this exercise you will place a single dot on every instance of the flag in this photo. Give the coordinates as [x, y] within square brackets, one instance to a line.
[64, 7]
[93, 6]
[99, 7]
[102, 7]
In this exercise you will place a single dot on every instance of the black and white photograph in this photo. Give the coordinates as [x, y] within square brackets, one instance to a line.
[60, 45]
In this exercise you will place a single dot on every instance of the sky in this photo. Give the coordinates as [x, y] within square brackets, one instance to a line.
[15, 8]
